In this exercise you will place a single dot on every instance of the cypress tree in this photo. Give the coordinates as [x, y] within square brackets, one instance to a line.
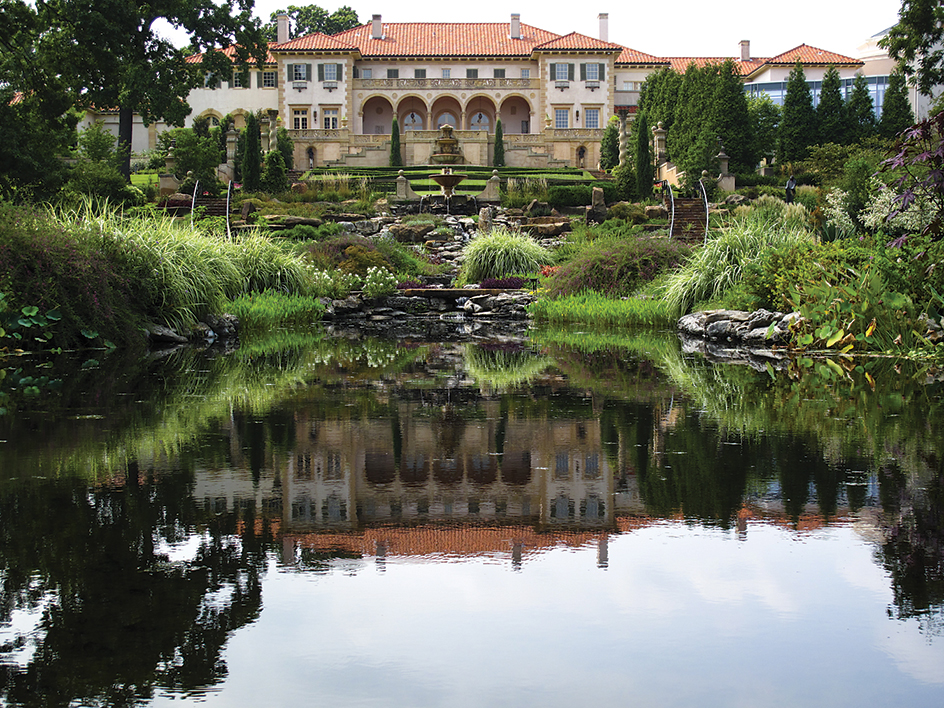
[861, 110]
[798, 125]
[499, 160]
[609, 145]
[252, 155]
[730, 119]
[644, 169]
[896, 110]
[659, 96]
[396, 159]
[831, 111]
[692, 116]
[765, 125]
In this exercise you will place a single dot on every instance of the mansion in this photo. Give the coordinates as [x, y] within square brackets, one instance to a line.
[338, 95]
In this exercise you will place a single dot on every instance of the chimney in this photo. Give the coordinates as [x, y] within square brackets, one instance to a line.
[515, 25]
[281, 23]
[376, 28]
[604, 27]
[745, 50]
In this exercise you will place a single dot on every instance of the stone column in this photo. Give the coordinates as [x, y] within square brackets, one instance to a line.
[273, 128]
[623, 138]
[231, 138]
[659, 149]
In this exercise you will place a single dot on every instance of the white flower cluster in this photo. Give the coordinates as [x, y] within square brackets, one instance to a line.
[912, 220]
[837, 211]
[379, 282]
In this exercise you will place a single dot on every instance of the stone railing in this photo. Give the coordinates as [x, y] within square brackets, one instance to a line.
[572, 133]
[444, 84]
[317, 134]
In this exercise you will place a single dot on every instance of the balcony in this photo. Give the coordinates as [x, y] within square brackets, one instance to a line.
[445, 84]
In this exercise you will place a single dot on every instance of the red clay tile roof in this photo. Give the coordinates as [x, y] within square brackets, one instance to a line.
[680, 64]
[578, 41]
[631, 56]
[812, 55]
[446, 39]
[315, 42]
[229, 51]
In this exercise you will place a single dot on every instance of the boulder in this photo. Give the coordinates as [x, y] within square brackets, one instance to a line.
[596, 212]
[656, 211]
[411, 233]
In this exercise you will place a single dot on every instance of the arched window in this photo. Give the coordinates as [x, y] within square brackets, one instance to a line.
[446, 118]
[413, 121]
[480, 121]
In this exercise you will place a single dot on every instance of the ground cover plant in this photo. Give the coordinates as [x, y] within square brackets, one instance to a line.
[616, 267]
[349, 253]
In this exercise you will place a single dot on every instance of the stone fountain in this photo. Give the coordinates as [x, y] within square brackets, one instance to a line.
[447, 147]
[447, 181]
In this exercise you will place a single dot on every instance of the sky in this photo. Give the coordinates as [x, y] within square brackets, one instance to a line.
[701, 28]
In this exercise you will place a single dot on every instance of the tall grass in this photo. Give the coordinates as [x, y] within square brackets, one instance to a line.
[718, 266]
[591, 308]
[266, 311]
[500, 253]
[114, 274]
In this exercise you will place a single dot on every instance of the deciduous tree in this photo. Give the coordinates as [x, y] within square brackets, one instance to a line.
[609, 145]
[765, 125]
[916, 42]
[110, 55]
[308, 19]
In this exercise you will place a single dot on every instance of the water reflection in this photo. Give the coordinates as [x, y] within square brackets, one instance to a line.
[144, 508]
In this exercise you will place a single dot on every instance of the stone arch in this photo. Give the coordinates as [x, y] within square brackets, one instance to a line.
[239, 118]
[214, 115]
[377, 115]
[445, 109]
[515, 113]
[480, 113]
[581, 155]
[412, 113]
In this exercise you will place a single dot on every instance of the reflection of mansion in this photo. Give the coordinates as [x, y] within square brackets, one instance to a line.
[343, 475]
[337, 95]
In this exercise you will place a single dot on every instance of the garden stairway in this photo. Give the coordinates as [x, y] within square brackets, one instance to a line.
[690, 220]
[212, 206]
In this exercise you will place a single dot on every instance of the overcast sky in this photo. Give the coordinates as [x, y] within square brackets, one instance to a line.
[701, 27]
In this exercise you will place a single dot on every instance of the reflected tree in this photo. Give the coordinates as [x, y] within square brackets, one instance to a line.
[119, 620]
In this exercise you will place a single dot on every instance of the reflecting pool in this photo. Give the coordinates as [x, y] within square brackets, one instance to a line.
[567, 520]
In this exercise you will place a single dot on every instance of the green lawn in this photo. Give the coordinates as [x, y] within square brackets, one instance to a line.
[143, 179]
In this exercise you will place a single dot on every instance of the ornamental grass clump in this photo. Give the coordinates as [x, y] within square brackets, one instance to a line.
[113, 275]
[718, 266]
[501, 253]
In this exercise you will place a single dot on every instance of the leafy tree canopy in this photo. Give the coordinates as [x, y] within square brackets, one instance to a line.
[109, 54]
[309, 19]
[916, 42]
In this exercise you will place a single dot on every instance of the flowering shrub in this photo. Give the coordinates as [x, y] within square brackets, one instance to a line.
[379, 282]
[920, 163]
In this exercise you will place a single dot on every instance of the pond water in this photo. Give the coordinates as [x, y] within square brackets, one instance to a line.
[566, 520]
